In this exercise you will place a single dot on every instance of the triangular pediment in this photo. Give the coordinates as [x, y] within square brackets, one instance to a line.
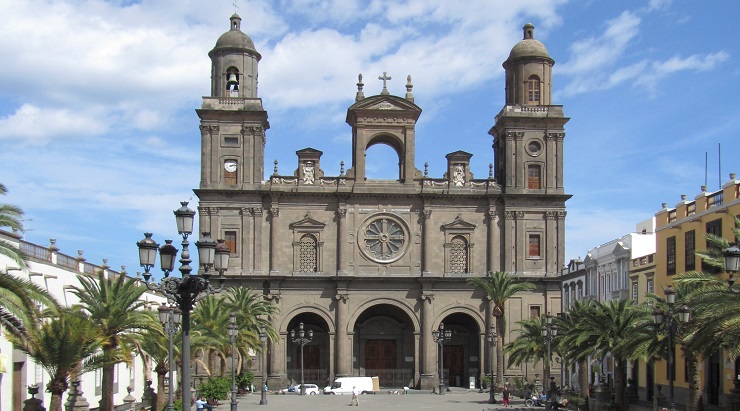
[385, 103]
[459, 224]
[307, 223]
[589, 261]
[620, 248]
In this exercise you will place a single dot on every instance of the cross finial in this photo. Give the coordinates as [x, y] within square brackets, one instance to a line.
[385, 77]
[235, 6]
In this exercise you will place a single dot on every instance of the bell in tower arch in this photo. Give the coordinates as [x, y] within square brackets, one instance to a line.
[232, 84]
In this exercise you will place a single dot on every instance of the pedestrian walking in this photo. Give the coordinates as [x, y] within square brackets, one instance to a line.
[505, 393]
[355, 397]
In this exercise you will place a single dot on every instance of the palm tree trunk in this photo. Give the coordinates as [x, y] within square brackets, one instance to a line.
[161, 398]
[499, 352]
[56, 401]
[106, 399]
[583, 381]
[620, 374]
[694, 401]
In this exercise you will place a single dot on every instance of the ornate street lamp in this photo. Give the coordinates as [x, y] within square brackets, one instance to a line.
[492, 338]
[732, 264]
[186, 291]
[302, 339]
[441, 336]
[263, 340]
[549, 332]
[170, 318]
[659, 318]
[233, 331]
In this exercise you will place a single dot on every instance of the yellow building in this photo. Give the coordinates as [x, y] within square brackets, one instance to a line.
[680, 232]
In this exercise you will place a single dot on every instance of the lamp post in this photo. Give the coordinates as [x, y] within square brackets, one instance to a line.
[549, 332]
[170, 319]
[659, 318]
[302, 339]
[492, 338]
[233, 331]
[441, 336]
[263, 340]
[186, 291]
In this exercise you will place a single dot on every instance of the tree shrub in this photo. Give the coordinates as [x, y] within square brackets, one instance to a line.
[215, 388]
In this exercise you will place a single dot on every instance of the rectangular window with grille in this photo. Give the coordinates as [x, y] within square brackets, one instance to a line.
[689, 249]
[230, 241]
[533, 87]
[634, 290]
[671, 255]
[534, 245]
[534, 311]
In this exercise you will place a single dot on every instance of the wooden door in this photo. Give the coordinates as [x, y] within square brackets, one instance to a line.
[454, 365]
[380, 357]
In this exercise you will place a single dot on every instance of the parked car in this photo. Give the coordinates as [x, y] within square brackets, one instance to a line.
[311, 389]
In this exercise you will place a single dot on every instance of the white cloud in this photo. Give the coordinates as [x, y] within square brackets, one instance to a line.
[36, 125]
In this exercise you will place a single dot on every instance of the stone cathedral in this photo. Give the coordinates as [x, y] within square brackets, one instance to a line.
[372, 267]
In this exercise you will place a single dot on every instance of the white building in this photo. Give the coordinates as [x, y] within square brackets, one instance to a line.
[608, 265]
[58, 273]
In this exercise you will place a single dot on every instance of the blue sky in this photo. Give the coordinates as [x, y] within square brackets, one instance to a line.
[99, 139]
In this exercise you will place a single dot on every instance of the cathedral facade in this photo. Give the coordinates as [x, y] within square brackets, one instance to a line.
[372, 267]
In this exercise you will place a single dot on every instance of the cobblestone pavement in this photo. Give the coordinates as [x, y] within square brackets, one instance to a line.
[457, 400]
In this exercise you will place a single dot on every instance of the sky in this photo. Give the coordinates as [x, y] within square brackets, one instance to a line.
[99, 139]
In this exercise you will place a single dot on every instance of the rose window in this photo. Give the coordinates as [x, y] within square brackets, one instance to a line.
[384, 239]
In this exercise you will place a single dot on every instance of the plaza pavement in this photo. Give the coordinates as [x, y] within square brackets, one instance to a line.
[456, 400]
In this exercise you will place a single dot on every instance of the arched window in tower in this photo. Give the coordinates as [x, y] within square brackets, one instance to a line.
[232, 82]
[308, 259]
[458, 255]
[533, 90]
[534, 176]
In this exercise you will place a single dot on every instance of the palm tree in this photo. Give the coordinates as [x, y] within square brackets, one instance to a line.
[252, 313]
[210, 318]
[64, 345]
[156, 345]
[113, 304]
[18, 304]
[499, 287]
[11, 217]
[572, 344]
[603, 329]
[529, 345]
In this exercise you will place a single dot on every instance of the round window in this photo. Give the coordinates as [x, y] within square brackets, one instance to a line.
[384, 238]
[534, 147]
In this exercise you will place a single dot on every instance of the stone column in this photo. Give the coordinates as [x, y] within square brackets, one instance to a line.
[509, 242]
[425, 241]
[494, 245]
[214, 143]
[519, 172]
[246, 259]
[560, 227]
[344, 352]
[274, 215]
[341, 241]
[559, 160]
[551, 241]
[257, 236]
[551, 172]
[205, 155]
[510, 159]
[428, 357]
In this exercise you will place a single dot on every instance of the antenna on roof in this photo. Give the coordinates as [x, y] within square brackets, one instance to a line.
[705, 168]
[719, 165]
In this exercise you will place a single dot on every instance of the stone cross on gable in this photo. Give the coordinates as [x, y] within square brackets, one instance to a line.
[385, 77]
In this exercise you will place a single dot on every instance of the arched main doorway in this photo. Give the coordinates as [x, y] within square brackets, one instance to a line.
[315, 356]
[462, 354]
[384, 346]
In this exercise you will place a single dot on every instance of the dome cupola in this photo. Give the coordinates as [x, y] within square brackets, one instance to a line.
[234, 63]
[528, 72]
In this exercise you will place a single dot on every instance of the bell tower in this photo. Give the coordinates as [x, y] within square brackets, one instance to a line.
[232, 119]
[528, 134]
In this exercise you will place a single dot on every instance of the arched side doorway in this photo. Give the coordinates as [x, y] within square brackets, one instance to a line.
[462, 354]
[384, 346]
[315, 356]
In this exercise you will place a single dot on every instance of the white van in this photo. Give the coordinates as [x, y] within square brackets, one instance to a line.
[344, 385]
